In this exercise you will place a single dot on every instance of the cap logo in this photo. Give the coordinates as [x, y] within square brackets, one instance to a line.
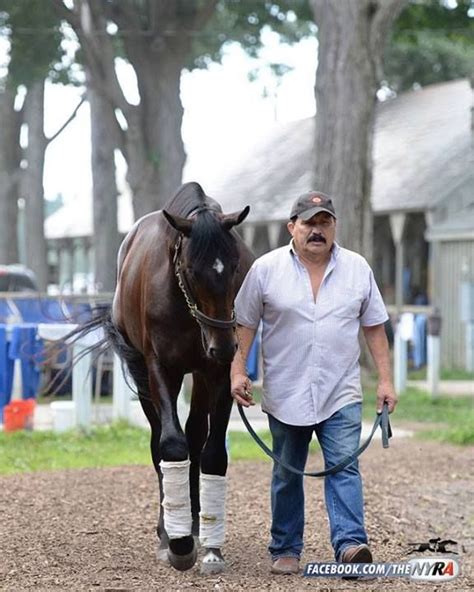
[316, 200]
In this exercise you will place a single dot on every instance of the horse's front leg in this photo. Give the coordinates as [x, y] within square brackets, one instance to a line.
[196, 434]
[174, 465]
[213, 475]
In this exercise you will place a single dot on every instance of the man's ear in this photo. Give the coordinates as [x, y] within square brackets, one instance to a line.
[291, 227]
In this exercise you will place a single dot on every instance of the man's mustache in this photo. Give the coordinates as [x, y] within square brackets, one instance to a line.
[316, 238]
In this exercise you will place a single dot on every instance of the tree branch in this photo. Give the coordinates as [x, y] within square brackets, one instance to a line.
[66, 123]
[203, 15]
[385, 13]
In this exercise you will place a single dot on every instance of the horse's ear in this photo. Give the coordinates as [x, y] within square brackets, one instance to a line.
[231, 220]
[180, 224]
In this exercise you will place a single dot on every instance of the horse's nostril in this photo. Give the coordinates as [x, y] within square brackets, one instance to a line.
[222, 355]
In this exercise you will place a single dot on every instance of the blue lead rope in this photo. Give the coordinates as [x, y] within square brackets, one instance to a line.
[381, 420]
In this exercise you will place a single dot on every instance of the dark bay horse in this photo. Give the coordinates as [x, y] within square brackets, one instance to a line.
[179, 270]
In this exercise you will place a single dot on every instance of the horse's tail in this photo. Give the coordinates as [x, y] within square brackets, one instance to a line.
[111, 338]
[98, 320]
[131, 358]
[101, 316]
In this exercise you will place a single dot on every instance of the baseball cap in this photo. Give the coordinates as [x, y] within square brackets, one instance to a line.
[311, 203]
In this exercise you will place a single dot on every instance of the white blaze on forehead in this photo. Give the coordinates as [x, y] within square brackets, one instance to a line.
[218, 266]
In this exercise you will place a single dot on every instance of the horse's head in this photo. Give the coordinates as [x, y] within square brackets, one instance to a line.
[206, 262]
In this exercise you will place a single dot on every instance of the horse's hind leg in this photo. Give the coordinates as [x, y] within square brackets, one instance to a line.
[154, 421]
[138, 371]
[164, 388]
[213, 474]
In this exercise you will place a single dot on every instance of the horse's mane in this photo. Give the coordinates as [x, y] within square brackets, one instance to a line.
[208, 238]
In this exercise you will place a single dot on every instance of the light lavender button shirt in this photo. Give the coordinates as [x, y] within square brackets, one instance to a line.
[310, 349]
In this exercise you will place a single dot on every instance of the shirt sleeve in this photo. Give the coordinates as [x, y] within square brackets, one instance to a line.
[373, 311]
[248, 302]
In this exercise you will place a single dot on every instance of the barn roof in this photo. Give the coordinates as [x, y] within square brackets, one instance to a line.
[421, 147]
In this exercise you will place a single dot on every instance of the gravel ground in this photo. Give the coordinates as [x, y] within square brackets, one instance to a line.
[94, 529]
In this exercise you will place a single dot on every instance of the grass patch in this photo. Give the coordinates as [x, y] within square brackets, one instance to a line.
[445, 374]
[121, 444]
[454, 415]
[462, 435]
[456, 374]
[243, 447]
[105, 446]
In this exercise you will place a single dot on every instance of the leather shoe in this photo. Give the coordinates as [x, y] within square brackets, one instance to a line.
[357, 554]
[285, 566]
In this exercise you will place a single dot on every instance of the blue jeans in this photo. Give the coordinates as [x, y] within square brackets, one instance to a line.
[338, 436]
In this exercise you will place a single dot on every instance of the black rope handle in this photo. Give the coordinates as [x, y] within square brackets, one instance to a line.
[381, 420]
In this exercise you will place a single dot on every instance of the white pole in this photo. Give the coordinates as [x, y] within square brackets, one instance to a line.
[122, 393]
[400, 362]
[182, 406]
[433, 345]
[82, 388]
[470, 346]
[17, 387]
[434, 352]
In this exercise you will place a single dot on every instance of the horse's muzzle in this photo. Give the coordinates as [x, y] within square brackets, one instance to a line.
[222, 355]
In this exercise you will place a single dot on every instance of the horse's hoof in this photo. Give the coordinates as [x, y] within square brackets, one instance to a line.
[212, 562]
[182, 562]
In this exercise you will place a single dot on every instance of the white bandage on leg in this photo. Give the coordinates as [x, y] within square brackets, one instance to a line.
[176, 500]
[212, 514]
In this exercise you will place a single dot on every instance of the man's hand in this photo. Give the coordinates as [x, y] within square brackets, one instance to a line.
[386, 394]
[241, 390]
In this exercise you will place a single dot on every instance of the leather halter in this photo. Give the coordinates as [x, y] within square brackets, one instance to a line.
[200, 317]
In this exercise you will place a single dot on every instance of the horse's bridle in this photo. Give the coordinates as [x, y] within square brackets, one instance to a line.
[199, 316]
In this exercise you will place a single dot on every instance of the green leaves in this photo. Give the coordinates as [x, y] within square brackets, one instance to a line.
[33, 30]
[431, 42]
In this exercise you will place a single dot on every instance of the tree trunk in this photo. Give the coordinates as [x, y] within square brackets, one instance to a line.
[106, 236]
[9, 174]
[352, 36]
[32, 184]
[151, 141]
[155, 147]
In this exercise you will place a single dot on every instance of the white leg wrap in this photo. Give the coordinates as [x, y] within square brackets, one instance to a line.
[176, 499]
[212, 514]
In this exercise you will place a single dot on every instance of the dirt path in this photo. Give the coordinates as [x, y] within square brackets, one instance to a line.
[94, 529]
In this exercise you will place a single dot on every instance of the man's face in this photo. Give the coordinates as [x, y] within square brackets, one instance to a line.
[313, 236]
